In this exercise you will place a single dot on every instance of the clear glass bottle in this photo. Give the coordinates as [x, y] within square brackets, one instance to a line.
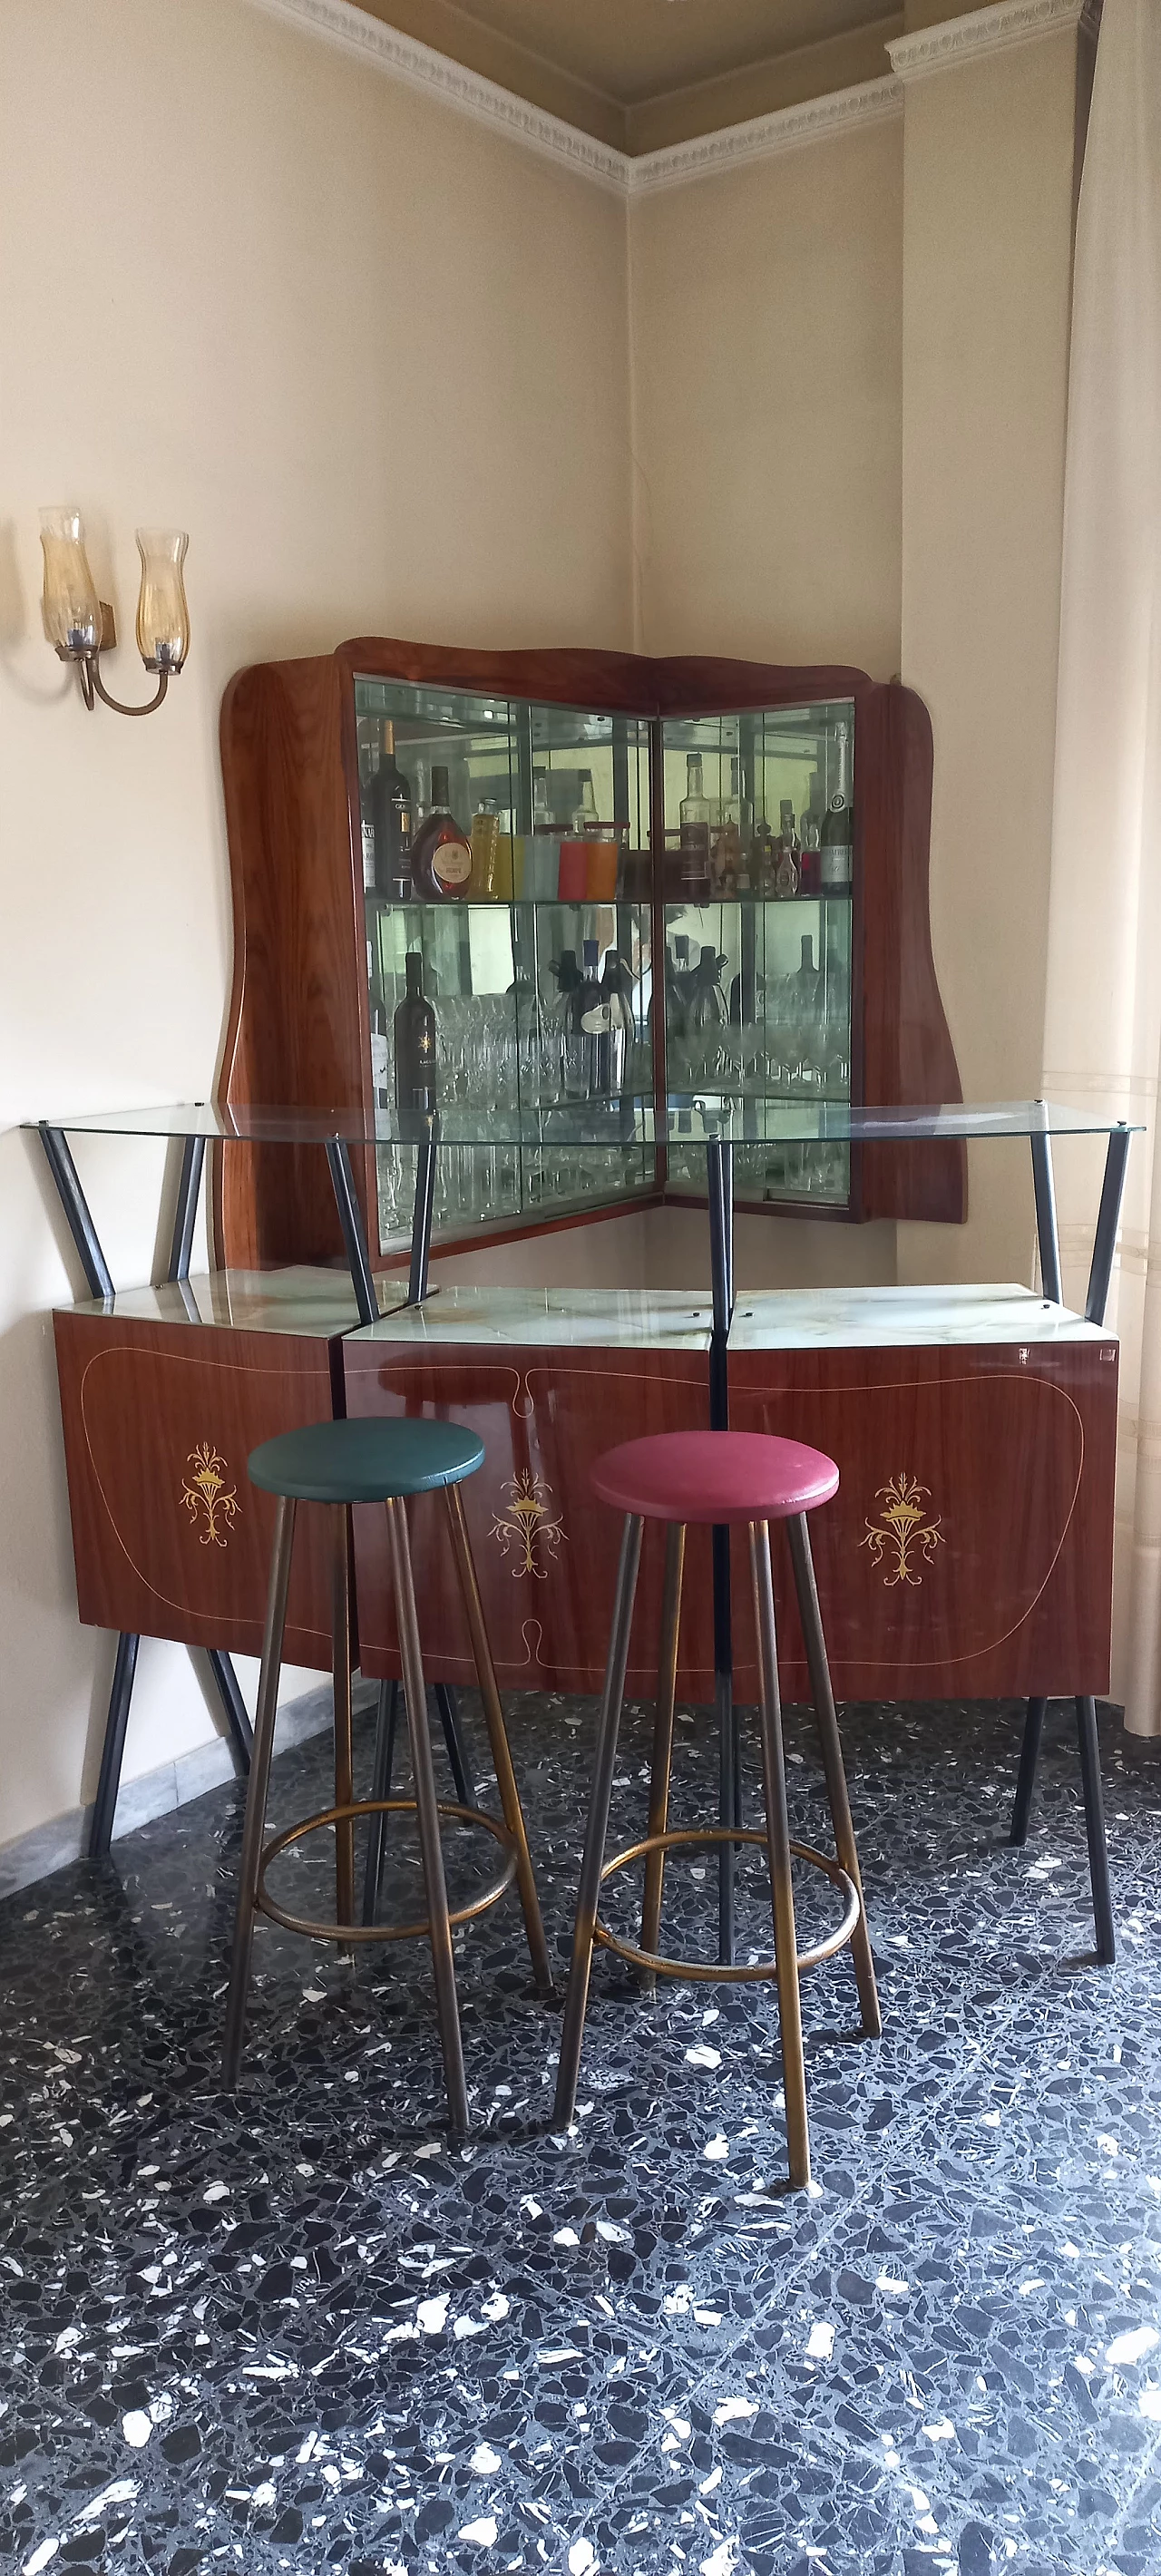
[584, 818]
[694, 818]
[707, 1003]
[789, 858]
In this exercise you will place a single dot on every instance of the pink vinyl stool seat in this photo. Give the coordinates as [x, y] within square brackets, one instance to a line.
[714, 1477]
[719, 1479]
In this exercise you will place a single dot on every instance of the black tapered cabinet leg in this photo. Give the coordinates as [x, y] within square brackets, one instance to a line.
[105, 1805]
[1026, 1777]
[458, 1756]
[234, 1707]
[386, 1726]
[1094, 1818]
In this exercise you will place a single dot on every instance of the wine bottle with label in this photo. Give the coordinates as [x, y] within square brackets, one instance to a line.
[441, 857]
[391, 822]
[415, 1086]
[836, 854]
[366, 816]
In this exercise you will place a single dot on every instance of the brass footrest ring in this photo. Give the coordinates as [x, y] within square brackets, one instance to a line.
[347, 1932]
[713, 1972]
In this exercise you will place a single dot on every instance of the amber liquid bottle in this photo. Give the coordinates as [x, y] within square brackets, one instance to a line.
[441, 857]
[414, 1051]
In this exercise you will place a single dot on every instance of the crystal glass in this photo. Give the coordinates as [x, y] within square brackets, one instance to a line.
[162, 613]
[72, 611]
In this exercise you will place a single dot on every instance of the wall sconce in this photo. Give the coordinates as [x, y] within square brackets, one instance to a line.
[82, 627]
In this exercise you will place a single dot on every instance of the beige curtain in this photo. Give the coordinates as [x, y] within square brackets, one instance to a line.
[1103, 1020]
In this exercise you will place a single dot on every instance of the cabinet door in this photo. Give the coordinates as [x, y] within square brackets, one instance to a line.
[759, 886]
[546, 1551]
[515, 1003]
[170, 1538]
[968, 1551]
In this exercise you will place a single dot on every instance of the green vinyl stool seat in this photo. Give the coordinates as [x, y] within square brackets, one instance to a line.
[365, 1462]
[385, 1463]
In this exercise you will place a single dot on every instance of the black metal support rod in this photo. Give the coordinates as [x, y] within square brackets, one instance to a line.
[351, 1221]
[193, 1155]
[386, 1724]
[422, 1213]
[1026, 1777]
[719, 1233]
[105, 1806]
[1108, 1220]
[234, 1707]
[1094, 1818]
[76, 1208]
[719, 1177]
[458, 1755]
[1046, 1234]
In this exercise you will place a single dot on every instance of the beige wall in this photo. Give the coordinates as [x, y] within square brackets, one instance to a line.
[986, 284]
[767, 318]
[375, 359]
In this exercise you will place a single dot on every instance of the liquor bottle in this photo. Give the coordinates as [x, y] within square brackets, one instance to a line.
[441, 855]
[694, 815]
[806, 981]
[707, 1005]
[367, 819]
[414, 1050]
[541, 811]
[836, 855]
[789, 858]
[485, 850]
[391, 820]
[584, 818]
[592, 1020]
[616, 1038]
[764, 860]
[566, 975]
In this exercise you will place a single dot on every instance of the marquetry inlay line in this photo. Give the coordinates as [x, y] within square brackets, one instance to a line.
[759, 138]
[984, 31]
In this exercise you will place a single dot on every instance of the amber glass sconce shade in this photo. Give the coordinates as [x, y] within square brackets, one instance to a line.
[162, 614]
[80, 626]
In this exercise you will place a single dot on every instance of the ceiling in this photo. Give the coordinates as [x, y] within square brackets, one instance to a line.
[643, 73]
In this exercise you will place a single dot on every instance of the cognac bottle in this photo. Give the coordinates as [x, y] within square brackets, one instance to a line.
[441, 857]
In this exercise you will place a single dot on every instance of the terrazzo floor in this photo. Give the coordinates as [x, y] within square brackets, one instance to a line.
[298, 2329]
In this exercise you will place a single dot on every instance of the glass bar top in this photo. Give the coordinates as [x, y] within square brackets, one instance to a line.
[316, 1304]
[1001, 1312]
[654, 1319]
[627, 1118]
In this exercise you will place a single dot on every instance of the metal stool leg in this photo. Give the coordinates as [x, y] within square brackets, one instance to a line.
[1026, 1776]
[258, 1790]
[588, 1893]
[1094, 1818]
[344, 1747]
[662, 1741]
[427, 1816]
[829, 1738]
[113, 1748]
[497, 1737]
[778, 1847]
[386, 1721]
[456, 1742]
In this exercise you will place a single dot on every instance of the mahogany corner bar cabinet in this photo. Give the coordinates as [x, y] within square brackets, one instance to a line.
[760, 1012]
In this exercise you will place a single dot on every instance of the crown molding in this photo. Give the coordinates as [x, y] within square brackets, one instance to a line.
[985, 31]
[355, 32]
[760, 138]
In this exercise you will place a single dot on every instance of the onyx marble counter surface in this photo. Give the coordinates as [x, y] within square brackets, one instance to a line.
[299, 2330]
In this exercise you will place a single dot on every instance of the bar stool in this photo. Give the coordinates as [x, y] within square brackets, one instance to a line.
[342, 1463]
[719, 1477]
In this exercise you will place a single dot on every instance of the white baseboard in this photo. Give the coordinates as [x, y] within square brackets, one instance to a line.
[35, 1855]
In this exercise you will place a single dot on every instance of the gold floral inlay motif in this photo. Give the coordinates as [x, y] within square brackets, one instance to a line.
[528, 1527]
[903, 1534]
[207, 1496]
